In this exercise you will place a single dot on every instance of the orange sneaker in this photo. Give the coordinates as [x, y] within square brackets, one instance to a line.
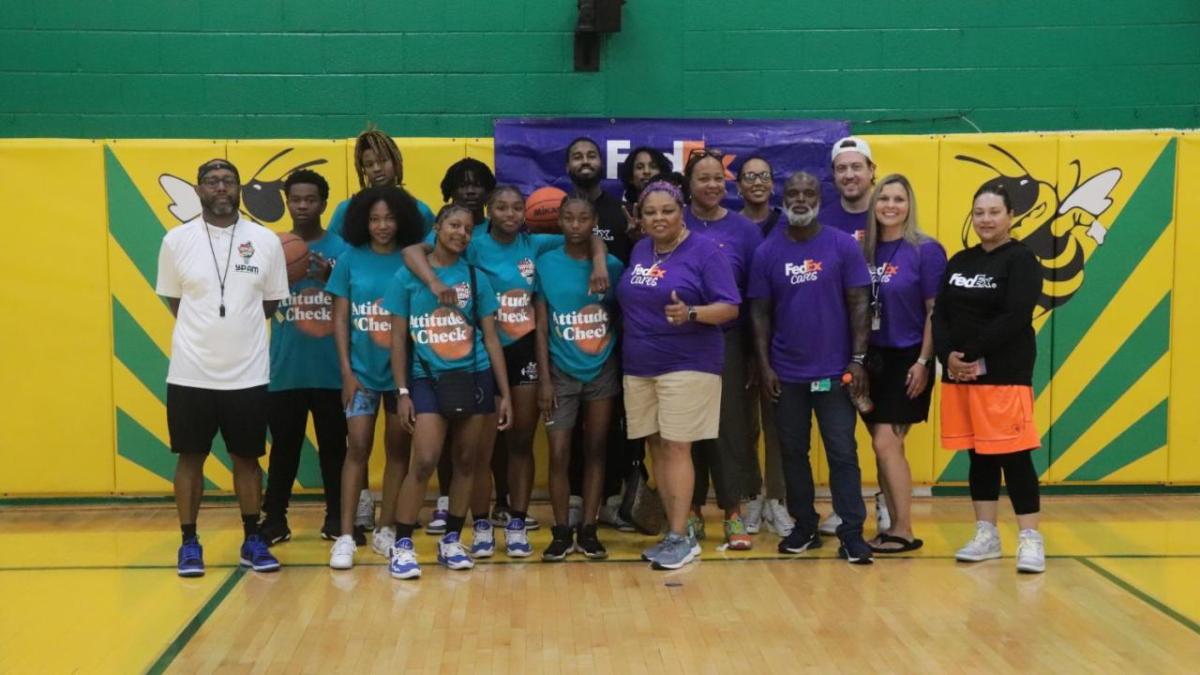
[736, 536]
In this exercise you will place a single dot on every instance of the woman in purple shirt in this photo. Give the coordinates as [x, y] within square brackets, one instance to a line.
[731, 458]
[675, 294]
[906, 271]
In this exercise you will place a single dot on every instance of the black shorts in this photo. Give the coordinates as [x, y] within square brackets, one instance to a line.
[521, 360]
[887, 370]
[194, 416]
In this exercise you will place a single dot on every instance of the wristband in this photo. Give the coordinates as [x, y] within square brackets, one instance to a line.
[922, 360]
[402, 391]
[860, 359]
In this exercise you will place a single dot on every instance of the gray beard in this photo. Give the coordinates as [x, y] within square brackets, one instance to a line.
[799, 220]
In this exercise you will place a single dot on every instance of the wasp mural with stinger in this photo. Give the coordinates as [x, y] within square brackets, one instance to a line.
[1050, 220]
[262, 200]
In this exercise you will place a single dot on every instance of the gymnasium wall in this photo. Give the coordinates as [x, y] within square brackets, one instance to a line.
[318, 69]
[87, 342]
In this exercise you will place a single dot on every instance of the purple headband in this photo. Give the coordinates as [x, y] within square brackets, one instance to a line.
[661, 186]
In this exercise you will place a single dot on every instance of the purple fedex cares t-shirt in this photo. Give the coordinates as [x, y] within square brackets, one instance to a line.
[698, 272]
[736, 235]
[806, 284]
[907, 275]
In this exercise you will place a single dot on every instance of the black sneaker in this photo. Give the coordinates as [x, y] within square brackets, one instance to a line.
[799, 542]
[560, 545]
[274, 531]
[360, 535]
[331, 529]
[856, 551]
[587, 543]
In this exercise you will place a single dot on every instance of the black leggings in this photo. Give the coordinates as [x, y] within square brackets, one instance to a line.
[1019, 476]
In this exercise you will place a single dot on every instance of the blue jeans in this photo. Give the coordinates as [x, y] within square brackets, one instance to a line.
[836, 418]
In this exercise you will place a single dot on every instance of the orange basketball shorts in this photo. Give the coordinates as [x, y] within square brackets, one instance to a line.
[993, 419]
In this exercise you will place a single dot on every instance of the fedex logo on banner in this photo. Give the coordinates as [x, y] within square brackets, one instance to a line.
[616, 151]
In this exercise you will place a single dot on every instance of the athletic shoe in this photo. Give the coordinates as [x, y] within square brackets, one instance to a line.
[451, 553]
[798, 542]
[191, 559]
[1031, 552]
[610, 515]
[985, 545]
[587, 543]
[331, 530]
[778, 519]
[677, 551]
[754, 514]
[883, 519]
[532, 523]
[500, 515]
[575, 511]
[830, 525]
[560, 545]
[274, 531]
[516, 541]
[441, 511]
[364, 515]
[651, 553]
[383, 540]
[483, 541]
[695, 527]
[341, 555]
[256, 556]
[736, 536]
[856, 551]
[403, 564]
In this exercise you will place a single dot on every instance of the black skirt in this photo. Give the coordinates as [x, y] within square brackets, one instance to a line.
[887, 371]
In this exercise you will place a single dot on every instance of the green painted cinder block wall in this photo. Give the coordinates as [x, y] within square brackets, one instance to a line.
[320, 69]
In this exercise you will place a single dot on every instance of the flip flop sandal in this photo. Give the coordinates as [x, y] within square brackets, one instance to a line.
[905, 544]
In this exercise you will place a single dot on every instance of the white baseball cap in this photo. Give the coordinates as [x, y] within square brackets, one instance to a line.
[852, 144]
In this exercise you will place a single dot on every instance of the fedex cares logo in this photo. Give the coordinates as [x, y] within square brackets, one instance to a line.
[617, 149]
[884, 273]
[646, 276]
[803, 273]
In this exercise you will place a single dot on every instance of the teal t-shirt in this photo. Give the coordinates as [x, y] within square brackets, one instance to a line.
[338, 220]
[303, 354]
[442, 336]
[362, 276]
[580, 323]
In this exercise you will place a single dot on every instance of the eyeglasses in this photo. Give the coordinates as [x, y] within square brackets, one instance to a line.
[756, 177]
[214, 181]
[705, 152]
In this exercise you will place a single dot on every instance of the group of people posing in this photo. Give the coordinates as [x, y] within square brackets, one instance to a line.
[664, 322]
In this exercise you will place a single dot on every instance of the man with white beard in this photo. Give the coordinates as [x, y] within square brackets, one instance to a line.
[808, 289]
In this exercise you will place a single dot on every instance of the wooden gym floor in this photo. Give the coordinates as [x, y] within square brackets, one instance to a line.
[93, 589]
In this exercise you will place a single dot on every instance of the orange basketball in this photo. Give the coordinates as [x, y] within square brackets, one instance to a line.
[541, 209]
[295, 254]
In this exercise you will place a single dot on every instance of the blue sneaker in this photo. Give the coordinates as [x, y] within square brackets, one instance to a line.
[256, 556]
[452, 554]
[191, 559]
[404, 560]
[516, 542]
[483, 545]
[677, 551]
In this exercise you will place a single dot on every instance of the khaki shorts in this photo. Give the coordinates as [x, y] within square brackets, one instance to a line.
[683, 406]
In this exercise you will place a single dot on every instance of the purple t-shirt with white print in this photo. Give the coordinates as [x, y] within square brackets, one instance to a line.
[698, 272]
[806, 282]
[907, 275]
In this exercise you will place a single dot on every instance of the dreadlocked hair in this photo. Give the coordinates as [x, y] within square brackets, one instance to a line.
[383, 146]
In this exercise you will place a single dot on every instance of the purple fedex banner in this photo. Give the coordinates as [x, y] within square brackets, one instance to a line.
[531, 152]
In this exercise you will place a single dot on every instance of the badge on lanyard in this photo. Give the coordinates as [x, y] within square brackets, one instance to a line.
[821, 385]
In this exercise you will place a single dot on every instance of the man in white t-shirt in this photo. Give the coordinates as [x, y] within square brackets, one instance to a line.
[223, 276]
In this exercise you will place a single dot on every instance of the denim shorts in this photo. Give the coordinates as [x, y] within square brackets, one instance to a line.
[366, 402]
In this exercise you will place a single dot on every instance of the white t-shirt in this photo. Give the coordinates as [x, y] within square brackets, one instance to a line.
[207, 350]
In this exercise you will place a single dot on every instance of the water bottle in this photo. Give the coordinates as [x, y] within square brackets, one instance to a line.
[863, 403]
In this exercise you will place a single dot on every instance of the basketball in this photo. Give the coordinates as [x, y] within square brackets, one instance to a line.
[541, 209]
[295, 254]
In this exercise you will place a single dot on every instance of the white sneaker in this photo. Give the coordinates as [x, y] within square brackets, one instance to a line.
[437, 522]
[483, 545]
[753, 514]
[364, 515]
[778, 519]
[1031, 552]
[830, 525]
[883, 519]
[383, 540]
[984, 546]
[403, 564]
[575, 511]
[610, 514]
[341, 556]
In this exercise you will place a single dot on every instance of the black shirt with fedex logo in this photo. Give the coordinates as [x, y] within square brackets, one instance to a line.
[984, 309]
[612, 226]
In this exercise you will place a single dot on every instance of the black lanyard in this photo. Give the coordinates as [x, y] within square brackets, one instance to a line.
[216, 265]
[877, 277]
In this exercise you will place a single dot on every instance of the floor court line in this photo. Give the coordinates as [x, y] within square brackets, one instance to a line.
[177, 645]
[1141, 595]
